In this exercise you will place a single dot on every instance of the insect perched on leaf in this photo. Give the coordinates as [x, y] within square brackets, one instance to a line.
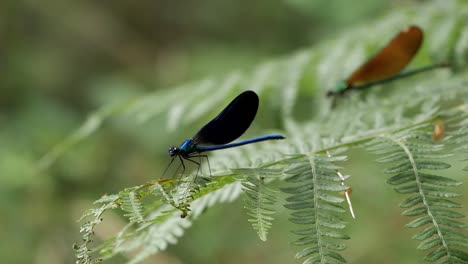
[386, 65]
[230, 124]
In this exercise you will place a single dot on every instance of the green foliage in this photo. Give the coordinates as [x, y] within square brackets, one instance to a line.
[315, 208]
[393, 120]
[411, 155]
[260, 199]
[151, 207]
[461, 138]
[87, 229]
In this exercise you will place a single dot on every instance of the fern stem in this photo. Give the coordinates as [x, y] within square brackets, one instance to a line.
[316, 206]
[258, 212]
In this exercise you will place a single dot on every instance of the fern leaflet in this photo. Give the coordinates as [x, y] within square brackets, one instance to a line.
[316, 208]
[411, 154]
[260, 199]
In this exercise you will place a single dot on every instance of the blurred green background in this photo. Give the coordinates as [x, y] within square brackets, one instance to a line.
[61, 60]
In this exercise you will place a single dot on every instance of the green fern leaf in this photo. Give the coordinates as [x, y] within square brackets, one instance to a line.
[130, 202]
[83, 251]
[260, 199]
[427, 205]
[313, 206]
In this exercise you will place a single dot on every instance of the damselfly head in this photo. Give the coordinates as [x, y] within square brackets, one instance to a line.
[173, 151]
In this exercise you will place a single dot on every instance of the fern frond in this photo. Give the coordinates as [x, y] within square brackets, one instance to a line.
[314, 207]
[167, 226]
[149, 233]
[130, 203]
[260, 199]
[83, 251]
[410, 154]
[460, 136]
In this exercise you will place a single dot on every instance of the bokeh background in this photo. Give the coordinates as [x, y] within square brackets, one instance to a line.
[62, 60]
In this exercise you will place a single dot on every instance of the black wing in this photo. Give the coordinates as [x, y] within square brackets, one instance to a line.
[231, 123]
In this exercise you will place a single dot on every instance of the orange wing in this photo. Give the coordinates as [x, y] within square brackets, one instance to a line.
[391, 59]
